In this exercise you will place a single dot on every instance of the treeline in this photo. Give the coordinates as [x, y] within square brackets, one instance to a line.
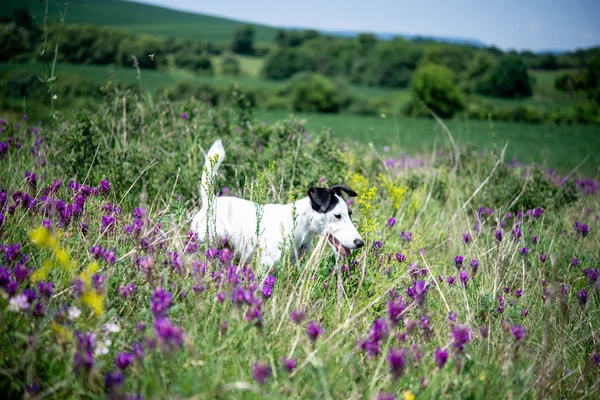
[365, 60]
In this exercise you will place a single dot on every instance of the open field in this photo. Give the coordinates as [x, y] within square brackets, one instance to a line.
[560, 147]
[476, 280]
[154, 79]
[137, 17]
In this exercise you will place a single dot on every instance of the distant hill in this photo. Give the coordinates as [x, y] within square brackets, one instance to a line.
[389, 36]
[138, 17]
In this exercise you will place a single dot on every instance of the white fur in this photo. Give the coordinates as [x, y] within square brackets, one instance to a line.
[236, 222]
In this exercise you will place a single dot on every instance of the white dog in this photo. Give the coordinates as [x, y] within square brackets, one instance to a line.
[270, 231]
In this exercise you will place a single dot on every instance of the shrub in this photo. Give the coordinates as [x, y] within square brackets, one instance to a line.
[198, 63]
[243, 40]
[230, 66]
[392, 64]
[509, 78]
[314, 92]
[14, 42]
[435, 86]
[284, 63]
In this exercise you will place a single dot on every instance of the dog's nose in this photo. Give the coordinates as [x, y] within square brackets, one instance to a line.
[358, 243]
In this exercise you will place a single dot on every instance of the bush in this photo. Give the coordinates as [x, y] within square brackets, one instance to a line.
[230, 66]
[509, 78]
[243, 40]
[198, 63]
[14, 42]
[315, 93]
[392, 64]
[141, 46]
[435, 86]
[285, 63]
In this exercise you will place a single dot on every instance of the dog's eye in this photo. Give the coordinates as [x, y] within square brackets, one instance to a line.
[338, 216]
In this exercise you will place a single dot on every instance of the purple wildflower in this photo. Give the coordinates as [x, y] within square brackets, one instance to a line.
[161, 301]
[518, 332]
[288, 363]
[534, 239]
[458, 261]
[575, 262]
[418, 291]
[461, 336]
[451, 280]
[169, 335]
[397, 360]
[184, 116]
[524, 251]
[474, 265]
[464, 277]
[313, 331]
[104, 187]
[396, 309]
[391, 222]
[581, 228]
[498, 235]
[466, 237]
[261, 372]
[582, 295]
[524, 312]
[406, 236]
[441, 357]
[543, 257]
[124, 360]
[400, 257]
[297, 316]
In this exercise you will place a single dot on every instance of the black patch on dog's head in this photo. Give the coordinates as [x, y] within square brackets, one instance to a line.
[338, 189]
[323, 200]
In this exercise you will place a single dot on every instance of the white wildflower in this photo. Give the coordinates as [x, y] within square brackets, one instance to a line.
[18, 303]
[112, 327]
[74, 313]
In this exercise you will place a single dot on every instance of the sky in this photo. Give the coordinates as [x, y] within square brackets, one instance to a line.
[508, 24]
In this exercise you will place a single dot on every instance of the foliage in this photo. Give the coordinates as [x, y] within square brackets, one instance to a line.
[435, 86]
[284, 63]
[509, 78]
[198, 63]
[449, 285]
[315, 93]
[14, 42]
[230, 66]
[243, 40]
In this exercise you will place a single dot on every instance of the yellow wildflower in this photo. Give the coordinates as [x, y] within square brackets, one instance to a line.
[408, 395]
[95, 301]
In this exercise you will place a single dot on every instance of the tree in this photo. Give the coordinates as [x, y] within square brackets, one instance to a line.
[435, 86]
[286, 62]
[243, 40]
[314, 93]
[198, 63]
[393, 63]
[14, 41]
[509, 78]
[452, 56]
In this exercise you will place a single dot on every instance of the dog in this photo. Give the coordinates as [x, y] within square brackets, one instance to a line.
[267, 231]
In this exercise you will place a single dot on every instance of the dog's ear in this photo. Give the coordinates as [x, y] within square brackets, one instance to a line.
[337, 189]
[320, 198]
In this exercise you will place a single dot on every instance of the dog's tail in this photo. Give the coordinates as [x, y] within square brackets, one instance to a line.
[214, 158]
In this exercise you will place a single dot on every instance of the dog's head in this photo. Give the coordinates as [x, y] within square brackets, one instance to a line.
[332, 217]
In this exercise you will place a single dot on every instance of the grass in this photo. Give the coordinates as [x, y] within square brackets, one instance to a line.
[560, 147]
[137, 17]
[511, 325]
